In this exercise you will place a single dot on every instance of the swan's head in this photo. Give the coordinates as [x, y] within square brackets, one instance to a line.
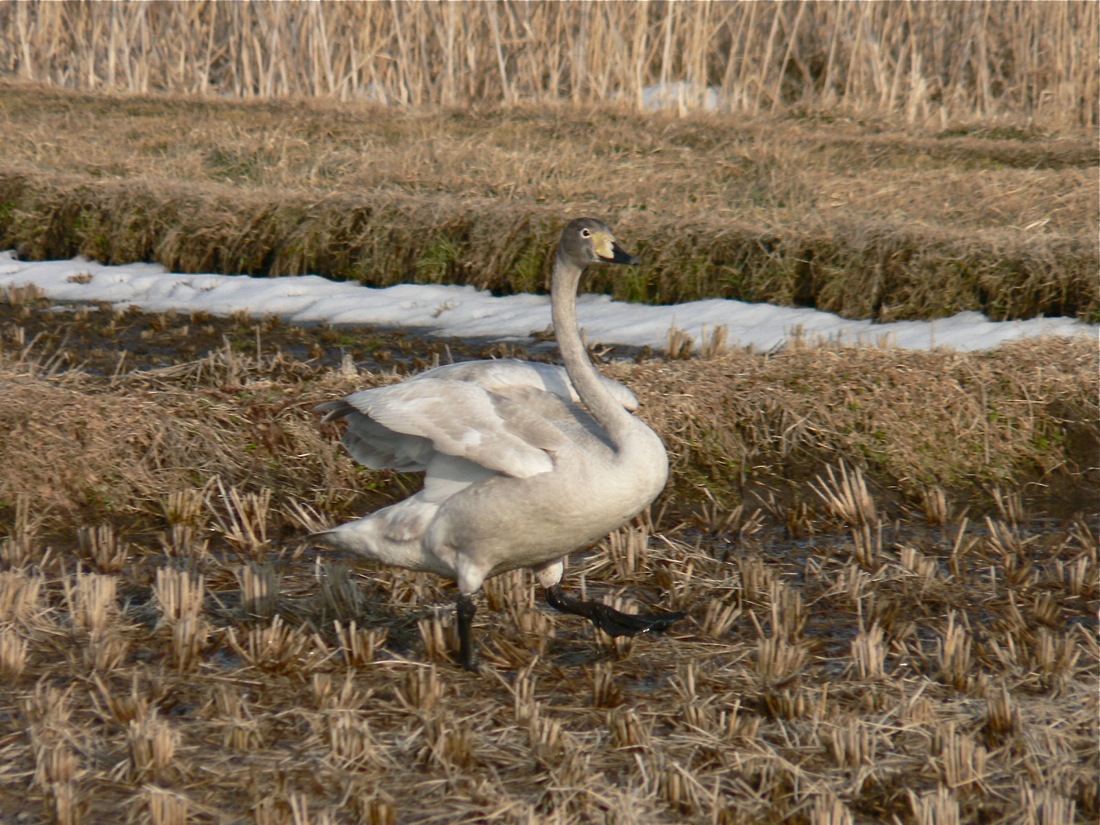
[588, 241]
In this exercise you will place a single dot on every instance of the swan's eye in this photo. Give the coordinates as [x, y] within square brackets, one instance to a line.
[586, 233]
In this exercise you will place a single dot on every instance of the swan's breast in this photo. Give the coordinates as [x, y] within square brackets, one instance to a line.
[509, 522]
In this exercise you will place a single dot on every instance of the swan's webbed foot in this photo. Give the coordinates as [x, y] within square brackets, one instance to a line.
[467, 653]
[611, 621]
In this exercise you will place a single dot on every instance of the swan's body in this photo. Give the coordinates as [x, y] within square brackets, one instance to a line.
[524, 463]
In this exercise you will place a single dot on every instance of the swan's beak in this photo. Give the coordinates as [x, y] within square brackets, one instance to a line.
[609, 251]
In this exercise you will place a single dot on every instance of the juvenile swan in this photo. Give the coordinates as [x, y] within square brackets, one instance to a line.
[524, 463]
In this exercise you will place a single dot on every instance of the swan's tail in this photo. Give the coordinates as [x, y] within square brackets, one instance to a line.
[364, 537]
[327, 538]
[392, 535]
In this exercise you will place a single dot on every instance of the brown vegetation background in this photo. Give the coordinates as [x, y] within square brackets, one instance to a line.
[1029, 60]
[738, 425]
[888, 559]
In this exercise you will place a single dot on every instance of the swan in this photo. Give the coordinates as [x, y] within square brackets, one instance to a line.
[524, 462]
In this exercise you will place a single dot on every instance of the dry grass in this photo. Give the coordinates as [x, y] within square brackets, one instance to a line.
[868, 219]
[966, 703]
[921, 420]
[231, 434]
[920, 61]
[908, 635]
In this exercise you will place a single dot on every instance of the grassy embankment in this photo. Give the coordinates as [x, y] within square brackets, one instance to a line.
[930, 157]
[857, 218]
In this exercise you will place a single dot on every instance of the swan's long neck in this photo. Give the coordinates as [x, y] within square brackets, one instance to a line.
[609, 413]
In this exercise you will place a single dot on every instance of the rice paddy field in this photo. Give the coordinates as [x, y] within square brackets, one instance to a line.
[888, 559]
[864, 643]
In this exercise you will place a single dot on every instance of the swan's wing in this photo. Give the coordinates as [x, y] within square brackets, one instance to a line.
[417, 418]
[378, 447]
[570, 418]
[510, 372]
[446, 475]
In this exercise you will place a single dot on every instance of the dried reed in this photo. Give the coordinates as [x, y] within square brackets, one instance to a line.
[777, 660]
[961, 760]
[358, 645]
[917, 61]
[955, 654]
[869, 653]
[13, 652]
[260, 587]
[65, 804]
[179, 593]
[103, 548]
[828, 810]
[152, 744]
[937, 808]
[276, 647]
[846, 496]
[341, 597]
[91, 601]
[245, 525]
[20, 596]
[166, 807]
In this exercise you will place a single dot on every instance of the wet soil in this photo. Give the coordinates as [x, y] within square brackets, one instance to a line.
[102, 340]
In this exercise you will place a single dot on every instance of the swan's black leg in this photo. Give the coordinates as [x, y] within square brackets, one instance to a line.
[466, 608]
[611, 621]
